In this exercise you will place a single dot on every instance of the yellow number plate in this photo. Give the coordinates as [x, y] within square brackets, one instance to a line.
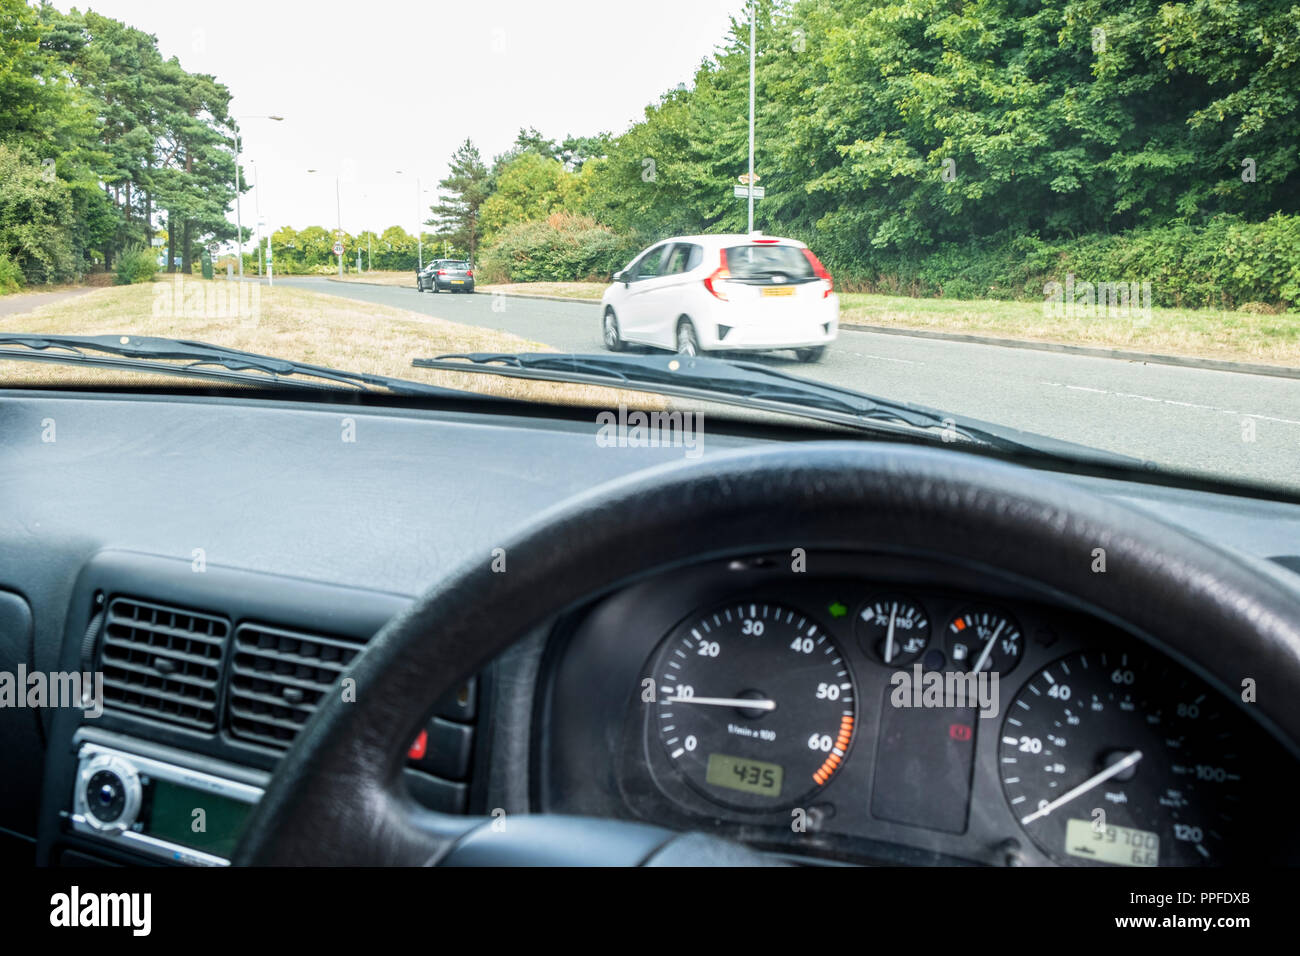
[779, 290]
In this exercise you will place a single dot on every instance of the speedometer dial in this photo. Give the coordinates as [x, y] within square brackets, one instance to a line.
[755, 705]
[1107, 758]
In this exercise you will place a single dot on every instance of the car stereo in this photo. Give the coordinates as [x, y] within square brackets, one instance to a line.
[159, 809]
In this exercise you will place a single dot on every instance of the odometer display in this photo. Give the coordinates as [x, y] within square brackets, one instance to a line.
[754, 705]
[749, 776]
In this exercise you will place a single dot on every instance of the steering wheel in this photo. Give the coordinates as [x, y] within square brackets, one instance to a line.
[337, 798]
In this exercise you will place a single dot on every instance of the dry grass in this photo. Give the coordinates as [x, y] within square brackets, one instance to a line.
[295, 324]
[1239, 336]
[400, 279]
[568, 290]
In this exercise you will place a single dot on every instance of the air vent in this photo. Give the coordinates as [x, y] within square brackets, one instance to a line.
[163, 662]
[278, 678]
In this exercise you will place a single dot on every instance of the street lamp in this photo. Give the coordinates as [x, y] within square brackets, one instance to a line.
[239, 222]
[419, 222]
[338, 212]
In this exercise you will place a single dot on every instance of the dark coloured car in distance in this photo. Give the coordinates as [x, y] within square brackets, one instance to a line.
[454, 275]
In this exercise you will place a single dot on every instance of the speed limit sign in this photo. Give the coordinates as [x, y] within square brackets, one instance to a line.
[338, 248]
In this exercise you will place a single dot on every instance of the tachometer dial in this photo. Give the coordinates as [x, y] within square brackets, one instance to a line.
[1107, 758]
[893, 630]
[983, 640]
[755, 705]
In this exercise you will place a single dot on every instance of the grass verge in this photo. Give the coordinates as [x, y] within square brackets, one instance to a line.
[295, 324]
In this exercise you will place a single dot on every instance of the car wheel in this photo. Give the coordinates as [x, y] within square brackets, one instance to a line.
[610, 333]
[811, 355]
[688, 343]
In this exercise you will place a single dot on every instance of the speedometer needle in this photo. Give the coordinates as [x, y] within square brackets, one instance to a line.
[744, 703]
[1116, 768]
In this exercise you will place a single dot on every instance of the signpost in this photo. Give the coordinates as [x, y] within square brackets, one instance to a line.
[743, 192]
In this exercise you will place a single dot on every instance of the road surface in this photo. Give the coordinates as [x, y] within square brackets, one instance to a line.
[1226, 423]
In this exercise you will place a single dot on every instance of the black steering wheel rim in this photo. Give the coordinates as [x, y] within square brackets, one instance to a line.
[337, 799]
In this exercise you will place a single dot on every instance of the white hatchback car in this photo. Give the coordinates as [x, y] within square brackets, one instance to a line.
[722, 293]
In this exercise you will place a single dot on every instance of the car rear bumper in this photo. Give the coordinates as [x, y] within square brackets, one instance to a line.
[728, 329]
[456, 284]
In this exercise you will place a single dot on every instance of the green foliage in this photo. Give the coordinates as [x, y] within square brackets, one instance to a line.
[36, 220]
[135, 264]
[560, 248]
[962, 144]
[528, 188]
[1227, 262]
[11, 277]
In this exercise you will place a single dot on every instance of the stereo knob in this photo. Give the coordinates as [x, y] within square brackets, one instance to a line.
[108, 793]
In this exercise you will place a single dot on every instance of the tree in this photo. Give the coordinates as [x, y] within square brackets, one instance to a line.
[463, 193]
[530, 187]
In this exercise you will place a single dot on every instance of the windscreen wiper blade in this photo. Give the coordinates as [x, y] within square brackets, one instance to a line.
[154, 354]
[751, 385]
[741, 383]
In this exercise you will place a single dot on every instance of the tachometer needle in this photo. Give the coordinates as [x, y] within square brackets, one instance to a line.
[1116, 768]
[744, 703]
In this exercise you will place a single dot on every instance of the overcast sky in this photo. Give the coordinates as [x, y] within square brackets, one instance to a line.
[370, 88]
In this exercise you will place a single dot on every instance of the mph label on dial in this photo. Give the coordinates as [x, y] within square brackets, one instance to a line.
[755, 707]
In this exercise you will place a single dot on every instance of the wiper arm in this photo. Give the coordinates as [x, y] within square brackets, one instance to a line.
[740, 383]
[153, 354]
[750, 385]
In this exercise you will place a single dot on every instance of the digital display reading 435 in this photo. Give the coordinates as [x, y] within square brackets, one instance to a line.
[749, 776]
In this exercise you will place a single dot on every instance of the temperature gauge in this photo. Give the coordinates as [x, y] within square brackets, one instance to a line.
[893, 630]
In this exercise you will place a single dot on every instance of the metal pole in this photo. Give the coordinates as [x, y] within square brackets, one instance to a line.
[239, 222]
[753, 13]
[338, 212]
[419, 224]
[270, 269]
[257, 212]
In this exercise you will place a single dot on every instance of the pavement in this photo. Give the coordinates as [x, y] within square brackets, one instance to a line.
[27, 301]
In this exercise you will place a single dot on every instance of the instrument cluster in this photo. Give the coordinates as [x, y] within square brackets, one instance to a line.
[886, 709]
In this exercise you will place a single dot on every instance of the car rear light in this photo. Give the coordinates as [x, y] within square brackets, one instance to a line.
[819, 270]
[720, 274]
[470, 273]
[768, 242]
[442, 272]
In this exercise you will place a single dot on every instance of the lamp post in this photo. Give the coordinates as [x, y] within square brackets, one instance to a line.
[338, 213]
[419, 224]
[239, 188]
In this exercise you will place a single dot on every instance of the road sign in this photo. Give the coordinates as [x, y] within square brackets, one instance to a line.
[744, 178]
[338, 248]
[742, 192]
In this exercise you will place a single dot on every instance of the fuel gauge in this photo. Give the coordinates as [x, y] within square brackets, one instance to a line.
[893, 630]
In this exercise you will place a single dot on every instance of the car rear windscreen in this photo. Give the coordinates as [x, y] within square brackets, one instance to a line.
[761, 261]
[455, 266]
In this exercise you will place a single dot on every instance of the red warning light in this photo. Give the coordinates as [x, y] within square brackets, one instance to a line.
[420, 746]
[960, 731]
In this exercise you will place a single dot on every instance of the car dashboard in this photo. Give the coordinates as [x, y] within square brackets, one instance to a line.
[222, 561]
